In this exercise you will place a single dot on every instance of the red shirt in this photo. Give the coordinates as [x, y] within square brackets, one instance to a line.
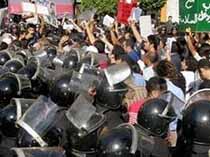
[103, 64]
[134, 109]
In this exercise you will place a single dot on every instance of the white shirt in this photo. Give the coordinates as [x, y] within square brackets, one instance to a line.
[175, 90]
[189, 77]
[198, 57]
[148, 73]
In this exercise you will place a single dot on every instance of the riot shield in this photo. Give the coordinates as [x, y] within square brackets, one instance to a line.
[39, 118]
[203, 94]
[22, 105]
[82, 114]
[40, 152]
[174, 102]
[117, 73]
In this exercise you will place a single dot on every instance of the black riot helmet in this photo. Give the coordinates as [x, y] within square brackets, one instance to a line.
[60, 92]
[11, 113]
[155, 117]
[121, 141]
[111, 97]
[112, 90]
[14, 65]
[52, 138]
[70, 62]
[9, 88]
[38, 75]
[8, 117]
[3, 70]
[51, 52]
[196, 123]
[196, 118]
[72, 59]
[84, 125]
[32, 68]
[29, 70]
[4, 57]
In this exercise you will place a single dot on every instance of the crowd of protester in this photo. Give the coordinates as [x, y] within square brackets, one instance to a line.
[165, 61]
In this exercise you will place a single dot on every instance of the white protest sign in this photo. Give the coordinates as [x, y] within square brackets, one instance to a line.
[28, 7]
[3, 13]
[108, 21]
[43, 10]
[145, 26]
[35, 8]
[170, 42]
[173, 9]
[68, 27]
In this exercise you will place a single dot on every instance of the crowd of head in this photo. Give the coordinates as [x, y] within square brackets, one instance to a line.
[92, 90]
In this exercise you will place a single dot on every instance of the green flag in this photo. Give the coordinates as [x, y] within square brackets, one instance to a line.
[195, 14]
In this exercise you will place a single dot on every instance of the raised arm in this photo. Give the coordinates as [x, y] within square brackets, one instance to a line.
[90, 33]
[105, 40]
[136, 33]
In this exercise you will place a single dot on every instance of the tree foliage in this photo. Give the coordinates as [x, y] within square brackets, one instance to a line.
[110, 6]
[150, 5]
[102, 6]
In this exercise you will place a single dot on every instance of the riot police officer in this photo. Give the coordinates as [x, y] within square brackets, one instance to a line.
[195, 139]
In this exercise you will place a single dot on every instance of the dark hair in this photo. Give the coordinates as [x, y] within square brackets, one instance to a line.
[30, 25]
[191, 63]
[156, 83]
[182, 47]
[77, 37]
[174, 47]
[155, 40]
[168, 70]
[3, 46]
[130, 43]
[205, 84]
[118, 51]
[204, 63]
[204, 50]
[100, 46]
[164, 40]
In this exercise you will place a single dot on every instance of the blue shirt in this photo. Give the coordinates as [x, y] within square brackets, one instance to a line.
[138, 80]
[134, 56]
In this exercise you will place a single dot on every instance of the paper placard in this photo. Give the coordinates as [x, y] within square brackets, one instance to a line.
[43, 10]
[145, 26]
[68, 27]
[108, 21]
[136, 14]
[28, 7]
[32, 8]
